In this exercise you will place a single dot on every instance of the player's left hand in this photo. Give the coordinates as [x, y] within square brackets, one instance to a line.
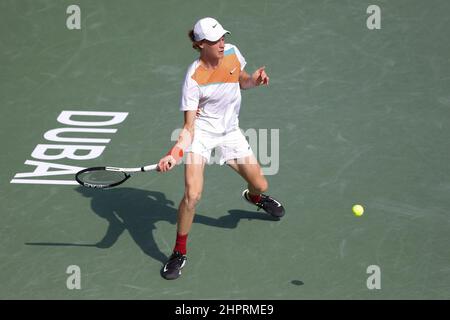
[260, 77]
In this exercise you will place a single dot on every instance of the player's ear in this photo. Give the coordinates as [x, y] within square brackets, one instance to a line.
[202, 43]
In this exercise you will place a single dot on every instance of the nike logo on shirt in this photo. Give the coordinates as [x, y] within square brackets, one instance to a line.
[231, 72]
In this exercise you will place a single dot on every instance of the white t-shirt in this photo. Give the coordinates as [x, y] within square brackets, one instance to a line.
[215, 93]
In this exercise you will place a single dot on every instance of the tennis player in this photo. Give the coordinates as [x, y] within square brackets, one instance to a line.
[211, 99]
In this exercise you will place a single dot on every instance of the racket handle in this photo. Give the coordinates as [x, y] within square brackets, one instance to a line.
[150, 167]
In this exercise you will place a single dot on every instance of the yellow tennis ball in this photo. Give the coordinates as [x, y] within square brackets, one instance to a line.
[358, 210]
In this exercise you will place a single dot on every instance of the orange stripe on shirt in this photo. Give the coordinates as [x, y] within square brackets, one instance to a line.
[227, 72]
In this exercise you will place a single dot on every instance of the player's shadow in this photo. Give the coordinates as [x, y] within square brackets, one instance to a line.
[138, 211]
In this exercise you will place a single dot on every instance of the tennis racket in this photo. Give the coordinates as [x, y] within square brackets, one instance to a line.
[108, 177]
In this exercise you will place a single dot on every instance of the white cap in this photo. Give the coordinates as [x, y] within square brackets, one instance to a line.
[209, 29]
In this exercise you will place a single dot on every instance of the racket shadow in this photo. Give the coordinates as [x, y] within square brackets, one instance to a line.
[138, 212]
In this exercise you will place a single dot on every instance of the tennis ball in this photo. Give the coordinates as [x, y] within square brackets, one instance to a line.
[358, 210]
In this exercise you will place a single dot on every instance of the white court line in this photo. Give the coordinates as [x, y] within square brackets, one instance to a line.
[37, 181]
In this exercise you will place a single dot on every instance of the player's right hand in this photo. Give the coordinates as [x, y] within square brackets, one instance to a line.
[166, 163]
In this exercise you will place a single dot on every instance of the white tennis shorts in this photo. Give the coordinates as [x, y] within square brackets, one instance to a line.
[230, 145]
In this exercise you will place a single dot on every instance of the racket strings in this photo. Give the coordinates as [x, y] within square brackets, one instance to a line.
[102, 177]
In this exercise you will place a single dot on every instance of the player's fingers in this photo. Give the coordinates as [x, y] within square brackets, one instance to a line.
[161, 165]
[164, 165]
[262, 81]
[171, 162]
[261, 72]
[258, 72]
[262, 78]
[168, 166]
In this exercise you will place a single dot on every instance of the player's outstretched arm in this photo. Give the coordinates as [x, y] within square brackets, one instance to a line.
[259, 77]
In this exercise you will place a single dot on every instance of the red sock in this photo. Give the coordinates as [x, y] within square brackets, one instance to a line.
[180, 244]
[254, 197]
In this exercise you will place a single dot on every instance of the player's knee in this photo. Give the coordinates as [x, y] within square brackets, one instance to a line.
[192, 197]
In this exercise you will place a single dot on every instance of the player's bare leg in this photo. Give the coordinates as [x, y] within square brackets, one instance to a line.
[194, 169]
[249, 169]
